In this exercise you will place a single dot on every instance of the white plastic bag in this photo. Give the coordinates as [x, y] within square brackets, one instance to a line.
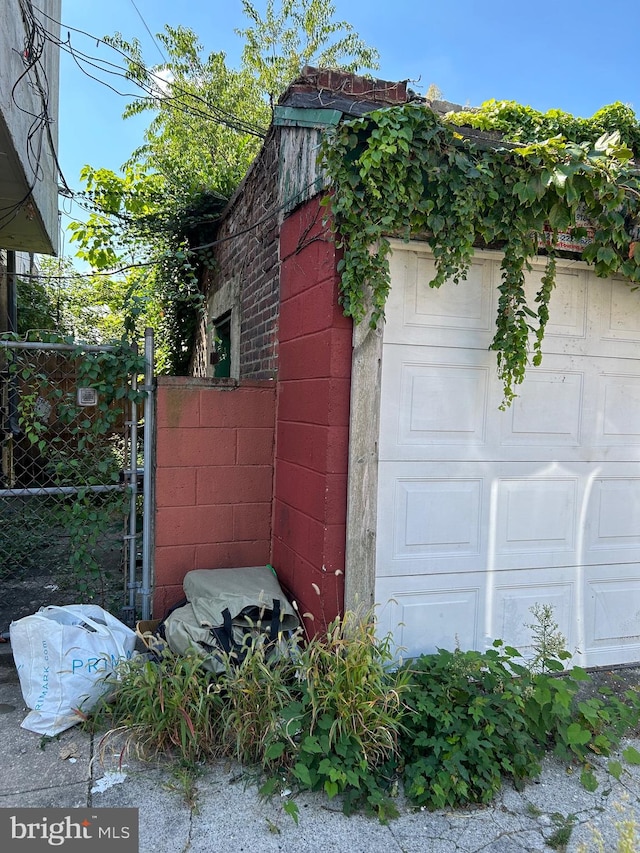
[64, 657]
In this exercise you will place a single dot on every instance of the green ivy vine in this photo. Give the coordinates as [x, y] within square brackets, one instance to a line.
[77, 446]
[405, 172]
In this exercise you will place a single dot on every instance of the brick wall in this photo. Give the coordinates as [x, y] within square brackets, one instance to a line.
[312, 422]
[248, 251]
[214, 479]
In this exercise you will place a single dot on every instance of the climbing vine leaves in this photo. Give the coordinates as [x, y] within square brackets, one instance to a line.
[405, 172]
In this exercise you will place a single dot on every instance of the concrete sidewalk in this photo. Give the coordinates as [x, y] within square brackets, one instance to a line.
[227, 813]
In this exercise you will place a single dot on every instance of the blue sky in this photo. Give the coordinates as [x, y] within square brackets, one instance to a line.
[577, 57]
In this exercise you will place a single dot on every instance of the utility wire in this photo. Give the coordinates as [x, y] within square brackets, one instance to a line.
[156, 84]
[153, 38]
[268, 215]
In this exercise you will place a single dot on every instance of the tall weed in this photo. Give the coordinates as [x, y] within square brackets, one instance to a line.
[163, 706]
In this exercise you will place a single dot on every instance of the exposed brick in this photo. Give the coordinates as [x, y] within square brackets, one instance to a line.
[193, 525]
[306, 358]
[336, 498]
[301, 488]
[303, 444]
[299, 575]
[315, 265]
[334, 548]
[166, 597]
[196, 447]
[304, 225]
[341, 352]
[337, 459]
[255, 446]
[234, 484]
[304, 400]
[175, 486]
[339, 413]
[316, 401]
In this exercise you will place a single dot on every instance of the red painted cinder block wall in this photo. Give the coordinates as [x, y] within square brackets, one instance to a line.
[312, 420]
[214, 479]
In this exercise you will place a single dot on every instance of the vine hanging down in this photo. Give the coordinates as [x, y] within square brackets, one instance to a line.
[406, 172]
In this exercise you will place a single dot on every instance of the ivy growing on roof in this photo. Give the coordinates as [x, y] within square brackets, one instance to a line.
[405, 172]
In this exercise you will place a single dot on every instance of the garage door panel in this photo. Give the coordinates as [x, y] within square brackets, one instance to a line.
[547, 411]
[613, 525]
[595, 608]
[505, 516]
[612, 614]
[567, 326]
[443, 403]
[511, 612]
[483, 514]
[468, 307]
[537, 515]
[617, 421]
[424, 618]
[619, 316]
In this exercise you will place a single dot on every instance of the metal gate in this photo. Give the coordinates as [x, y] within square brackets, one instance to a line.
[76, 433]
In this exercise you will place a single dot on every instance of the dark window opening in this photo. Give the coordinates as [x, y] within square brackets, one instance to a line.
[221, 353]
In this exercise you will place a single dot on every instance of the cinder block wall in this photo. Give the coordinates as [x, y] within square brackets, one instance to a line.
[214, 479]
[312, 431]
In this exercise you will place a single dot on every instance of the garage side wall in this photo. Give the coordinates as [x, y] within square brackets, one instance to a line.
[214, 479]
[312, 424]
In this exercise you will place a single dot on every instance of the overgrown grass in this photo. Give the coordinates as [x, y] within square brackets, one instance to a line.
[336, 714]
[164, 706]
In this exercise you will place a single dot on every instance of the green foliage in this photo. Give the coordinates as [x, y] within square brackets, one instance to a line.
[559, 839]
[301, 32]
[465, 727]
[83, 448]
[207, 124]
[475, 717]
[163, 706]
[349, 715]
[254, 695]
[23, 536]
[520, 123]
[324, 717]
[335, 715]
[548, 642]
[404, 172]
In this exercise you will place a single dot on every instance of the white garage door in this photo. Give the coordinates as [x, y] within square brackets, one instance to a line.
[483, 514]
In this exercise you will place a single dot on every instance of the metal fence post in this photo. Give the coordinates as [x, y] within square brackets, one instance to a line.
[148, 478]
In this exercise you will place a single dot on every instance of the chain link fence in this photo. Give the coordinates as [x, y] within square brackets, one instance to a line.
[70, 496]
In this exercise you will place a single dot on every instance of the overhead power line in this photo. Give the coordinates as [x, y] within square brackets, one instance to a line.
[153, 38]
[155, 85]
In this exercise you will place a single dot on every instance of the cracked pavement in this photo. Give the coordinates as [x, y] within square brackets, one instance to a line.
[555, 812]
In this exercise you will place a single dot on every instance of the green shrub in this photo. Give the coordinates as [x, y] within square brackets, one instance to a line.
[475, 717]
[337, 715]
[466, 726]
[253, 695]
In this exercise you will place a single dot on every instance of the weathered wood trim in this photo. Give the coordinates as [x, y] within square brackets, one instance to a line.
[362, 483]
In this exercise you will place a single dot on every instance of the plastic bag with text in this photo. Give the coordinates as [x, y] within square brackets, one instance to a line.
[65, 657]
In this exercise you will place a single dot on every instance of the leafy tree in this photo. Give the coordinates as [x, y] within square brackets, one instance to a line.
[88, 308]
[302, 32]
[207, 125]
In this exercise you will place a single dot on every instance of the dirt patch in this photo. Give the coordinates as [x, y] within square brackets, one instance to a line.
[25, 591]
